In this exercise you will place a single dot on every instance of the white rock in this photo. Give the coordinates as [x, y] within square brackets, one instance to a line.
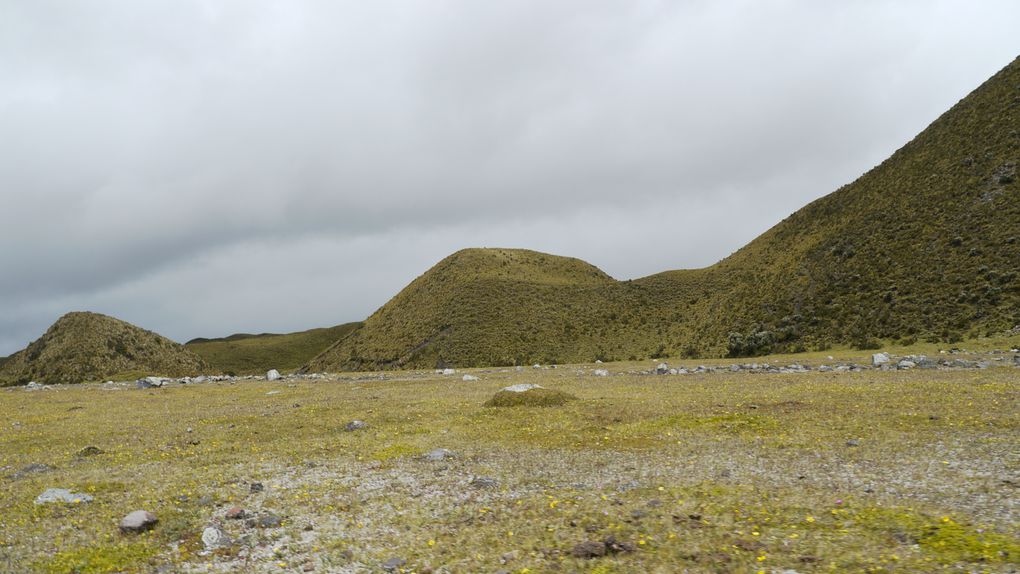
[469, 378]
[906, 364]
[598, 362]
[521, 388]
[536, 366]
[272, 375]
[439, 454]
[51, 495]
[449, 371]
[879, 359]
[601, 373]
[138, 521]
[213, 537]
[270, 393]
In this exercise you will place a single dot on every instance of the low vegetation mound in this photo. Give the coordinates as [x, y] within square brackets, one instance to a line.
[532, 396]
[242, 353]
[85, 346]
[925, 246]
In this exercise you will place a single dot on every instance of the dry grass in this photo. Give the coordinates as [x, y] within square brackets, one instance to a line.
[725, 472]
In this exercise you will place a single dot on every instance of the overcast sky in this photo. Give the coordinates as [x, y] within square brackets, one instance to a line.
[200, 168]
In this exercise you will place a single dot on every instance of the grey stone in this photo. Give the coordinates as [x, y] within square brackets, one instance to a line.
[853, 442]
[906, 364]
[662, 369]
[138, 521]
[601, 373]
[272, 375]
[468, 378]
[355, 425]
[393, 564]
[270, 521]
[89, 451]
[879, 359]
[213, 538]
[438, 454]
[521, 388]
[484, 482]
[34, 468]
[51, 495]
[449, 371]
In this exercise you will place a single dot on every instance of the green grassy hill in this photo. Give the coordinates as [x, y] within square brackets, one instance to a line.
[243, 353]
[924, 246]
[85, 346]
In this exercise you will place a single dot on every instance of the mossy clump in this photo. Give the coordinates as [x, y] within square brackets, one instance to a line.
[534, 397]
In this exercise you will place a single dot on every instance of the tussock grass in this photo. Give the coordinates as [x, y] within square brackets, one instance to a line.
[725, 472]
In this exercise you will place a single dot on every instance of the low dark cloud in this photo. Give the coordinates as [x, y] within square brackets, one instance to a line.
[202, 168]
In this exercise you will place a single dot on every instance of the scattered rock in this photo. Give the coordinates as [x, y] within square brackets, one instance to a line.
[589, 549]
[272, 375]
[449, 371]
[204, 500]
[213, 538]
[906, 364]
[601, 373]
[879, 359]
[521, 388]
[138, 521]
[256, 487]
[89, 451]
[51, 495]
[355, 425]
[235, 513]
[853, 442]
[467, 378]
[484, 482]
[269, 521]
[34, 386]
[34, 468]
[592, 549]
[393, 564]
[439, 454]
[662, 369]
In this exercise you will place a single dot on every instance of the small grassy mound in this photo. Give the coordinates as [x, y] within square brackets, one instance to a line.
[536, 397]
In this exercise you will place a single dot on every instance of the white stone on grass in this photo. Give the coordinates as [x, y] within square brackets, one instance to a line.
[51, 495]
[521, 388]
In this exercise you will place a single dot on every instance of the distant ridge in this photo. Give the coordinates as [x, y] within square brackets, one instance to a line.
[242, 353]
[925, 245]
[83, 346]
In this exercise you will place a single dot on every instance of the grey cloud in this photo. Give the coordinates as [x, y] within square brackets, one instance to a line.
[200, 168]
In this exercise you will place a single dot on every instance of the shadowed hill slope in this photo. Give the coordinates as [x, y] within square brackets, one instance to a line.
[242, 353]
[925, 245]
[85, 346]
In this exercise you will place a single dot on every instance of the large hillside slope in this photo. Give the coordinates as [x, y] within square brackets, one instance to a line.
[925, 245]
[84, 346]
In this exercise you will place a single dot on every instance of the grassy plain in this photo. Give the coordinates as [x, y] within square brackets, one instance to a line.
[904, 471]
